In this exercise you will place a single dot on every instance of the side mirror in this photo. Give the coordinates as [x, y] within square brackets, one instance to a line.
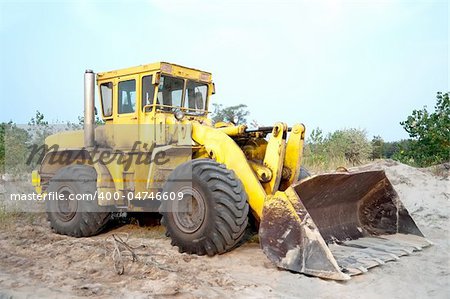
[156, 79]
[213, 88]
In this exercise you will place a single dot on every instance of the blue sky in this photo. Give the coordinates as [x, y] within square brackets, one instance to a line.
[328, 64]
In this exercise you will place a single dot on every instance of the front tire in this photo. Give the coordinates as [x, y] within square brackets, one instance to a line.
[77, 218]
[212, 216]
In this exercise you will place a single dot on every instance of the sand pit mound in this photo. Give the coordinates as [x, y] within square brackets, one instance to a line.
[34, 262]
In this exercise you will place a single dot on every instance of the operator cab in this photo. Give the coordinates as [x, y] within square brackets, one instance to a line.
[160, 87]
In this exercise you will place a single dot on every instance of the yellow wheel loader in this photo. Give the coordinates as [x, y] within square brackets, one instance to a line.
[159, 151]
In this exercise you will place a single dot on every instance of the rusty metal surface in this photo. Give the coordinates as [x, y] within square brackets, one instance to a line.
[357, 256]
[291, 240]
[337, 225]
[353, 205]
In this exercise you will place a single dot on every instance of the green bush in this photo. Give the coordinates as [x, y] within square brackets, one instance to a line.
[377, 147]
[352, 143]
[430, 135]
[233, 114]
[392, 149]
[16, 143]
[347, 147]
[13, 148]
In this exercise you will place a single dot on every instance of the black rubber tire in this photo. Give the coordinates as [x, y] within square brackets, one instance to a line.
[89, 218]
[304, 173]
[225, 208]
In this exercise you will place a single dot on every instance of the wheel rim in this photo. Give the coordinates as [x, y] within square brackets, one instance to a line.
[190, 211]
[66, 209]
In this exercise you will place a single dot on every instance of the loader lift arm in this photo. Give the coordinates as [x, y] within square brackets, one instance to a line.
[279, 154]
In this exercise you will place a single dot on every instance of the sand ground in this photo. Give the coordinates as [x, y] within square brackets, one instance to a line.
[34, 262]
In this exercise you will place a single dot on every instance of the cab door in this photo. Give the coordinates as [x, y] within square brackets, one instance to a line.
[126, 129]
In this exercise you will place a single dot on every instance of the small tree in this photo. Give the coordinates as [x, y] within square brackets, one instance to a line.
[377, 147]
[3, 128]
[340, 148]
[352, 143]
[393, 149]
[39, 129]
[316, 137]
[38, 119]
[314, 149]
[234, 114]
[98, 121]
[430, 133]
[13, 148]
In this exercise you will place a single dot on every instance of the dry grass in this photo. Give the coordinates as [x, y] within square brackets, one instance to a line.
[10, 217]
[440, 170]
[7, 217]
[151, 232]
[328, 164]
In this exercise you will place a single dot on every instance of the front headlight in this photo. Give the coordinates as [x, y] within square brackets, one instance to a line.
[178, 114]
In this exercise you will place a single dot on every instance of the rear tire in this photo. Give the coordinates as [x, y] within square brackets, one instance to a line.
[218, 205]
[77, 218]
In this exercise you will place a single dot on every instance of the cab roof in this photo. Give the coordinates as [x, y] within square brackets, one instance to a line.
[164, 67]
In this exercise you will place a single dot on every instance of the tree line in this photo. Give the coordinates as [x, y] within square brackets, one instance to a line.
[428, 143]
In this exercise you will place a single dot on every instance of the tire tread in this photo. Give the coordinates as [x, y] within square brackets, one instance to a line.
[230, 204]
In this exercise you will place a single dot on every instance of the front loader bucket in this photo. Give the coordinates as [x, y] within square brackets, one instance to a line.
[337, 225]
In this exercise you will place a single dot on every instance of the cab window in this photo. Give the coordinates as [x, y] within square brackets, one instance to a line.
[127, 96]
[170, 92]
[106, 98]
[148, 92]
[196, 94]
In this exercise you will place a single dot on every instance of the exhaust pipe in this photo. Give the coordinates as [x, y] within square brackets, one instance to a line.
[89, 107]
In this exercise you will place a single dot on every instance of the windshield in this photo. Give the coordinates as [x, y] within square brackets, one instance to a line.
[170, 95]
[195, 98]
